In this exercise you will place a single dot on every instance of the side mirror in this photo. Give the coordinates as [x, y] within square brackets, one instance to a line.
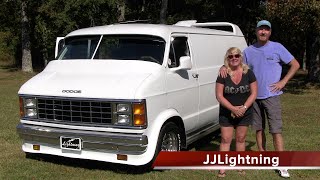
[185, 63]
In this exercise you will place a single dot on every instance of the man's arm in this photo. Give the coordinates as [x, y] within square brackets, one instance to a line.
[223, 72]
[294, 66]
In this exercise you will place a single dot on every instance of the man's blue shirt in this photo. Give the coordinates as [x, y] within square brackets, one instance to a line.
[265, 61]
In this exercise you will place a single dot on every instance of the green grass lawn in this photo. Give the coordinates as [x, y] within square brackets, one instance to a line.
[300, 107]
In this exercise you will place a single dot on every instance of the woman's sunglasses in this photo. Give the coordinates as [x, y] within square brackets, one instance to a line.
[232, 56]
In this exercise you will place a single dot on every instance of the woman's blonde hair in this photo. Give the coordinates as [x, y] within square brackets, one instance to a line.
[235, 50]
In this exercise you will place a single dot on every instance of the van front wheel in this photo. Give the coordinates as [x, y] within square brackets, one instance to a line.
[170, 138]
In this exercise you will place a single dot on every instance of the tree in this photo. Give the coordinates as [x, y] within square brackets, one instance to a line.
[9, 34]
[25, 39]
[144, 10]
[55, 18]
[122, 9]
[44, 20]
[163, 12]
[296, 23]
[312, 55]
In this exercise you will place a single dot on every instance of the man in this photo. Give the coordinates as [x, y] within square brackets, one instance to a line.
[265, 58]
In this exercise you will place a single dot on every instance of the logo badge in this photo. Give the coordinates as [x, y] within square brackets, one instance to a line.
[71, 91]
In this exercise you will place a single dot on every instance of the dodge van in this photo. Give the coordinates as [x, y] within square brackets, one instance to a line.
[121, 93]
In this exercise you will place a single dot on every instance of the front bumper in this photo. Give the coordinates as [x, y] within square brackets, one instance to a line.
[109, 142]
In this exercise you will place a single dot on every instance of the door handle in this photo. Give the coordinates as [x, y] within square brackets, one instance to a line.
[195, 75]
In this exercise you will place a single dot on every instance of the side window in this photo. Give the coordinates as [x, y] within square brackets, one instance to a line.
[179, 47]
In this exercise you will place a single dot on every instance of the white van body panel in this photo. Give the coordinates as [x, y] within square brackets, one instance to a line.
[108, 157]
[84, 75]
[207, 68]
[179, 85]
[163, 31]
[185, 97]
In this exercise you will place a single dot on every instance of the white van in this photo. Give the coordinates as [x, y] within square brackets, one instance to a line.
[121, 93]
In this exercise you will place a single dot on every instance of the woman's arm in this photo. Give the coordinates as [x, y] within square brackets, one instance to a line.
[251, 98]
[236, 110]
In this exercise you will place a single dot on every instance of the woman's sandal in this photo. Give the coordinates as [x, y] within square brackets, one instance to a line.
[221, 174]
[241, 172]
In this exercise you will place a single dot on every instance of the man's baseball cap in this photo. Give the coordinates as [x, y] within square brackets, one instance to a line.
[264, 23]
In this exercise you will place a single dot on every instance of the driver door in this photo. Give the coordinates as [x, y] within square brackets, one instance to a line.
[182, 85]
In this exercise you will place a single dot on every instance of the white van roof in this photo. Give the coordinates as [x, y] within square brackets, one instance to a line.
[160, 30]
[211, 25]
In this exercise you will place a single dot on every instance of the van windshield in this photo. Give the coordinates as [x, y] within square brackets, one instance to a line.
[81, 47]
[115, 47]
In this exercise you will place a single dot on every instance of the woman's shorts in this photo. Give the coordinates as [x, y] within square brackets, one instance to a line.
[225, 121]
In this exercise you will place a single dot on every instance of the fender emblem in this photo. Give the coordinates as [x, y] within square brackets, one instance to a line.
[71, 91]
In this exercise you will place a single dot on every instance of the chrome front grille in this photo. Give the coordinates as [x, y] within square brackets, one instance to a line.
[74, 111]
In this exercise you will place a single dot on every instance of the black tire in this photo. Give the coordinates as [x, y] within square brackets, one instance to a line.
[30, 155]
[171, 132]
[169, 138]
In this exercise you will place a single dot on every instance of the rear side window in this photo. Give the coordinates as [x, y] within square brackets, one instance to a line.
[179, 47]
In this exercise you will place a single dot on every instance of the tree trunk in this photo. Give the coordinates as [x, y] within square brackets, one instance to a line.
[45, 55]
[163, 12]
[25, 39]
[304, 60]
[143, 6]
[313, 47]
[122, 10]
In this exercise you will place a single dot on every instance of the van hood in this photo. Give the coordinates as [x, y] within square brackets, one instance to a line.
[110, 79]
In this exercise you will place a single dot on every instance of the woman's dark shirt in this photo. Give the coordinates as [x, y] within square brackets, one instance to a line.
[236, 94]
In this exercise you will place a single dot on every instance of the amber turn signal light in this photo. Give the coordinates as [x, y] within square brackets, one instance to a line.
[139, 115]
[36, 147]
[21, 107]
[122, 157]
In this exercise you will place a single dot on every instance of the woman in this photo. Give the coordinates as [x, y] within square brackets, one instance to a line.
[235, 93]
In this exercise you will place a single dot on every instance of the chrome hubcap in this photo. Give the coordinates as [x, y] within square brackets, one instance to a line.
[170, 142]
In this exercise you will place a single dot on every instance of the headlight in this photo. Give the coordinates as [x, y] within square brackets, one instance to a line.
[130, 114]
[123, 114]
[30, 103]
[28, 107]
[123, 119]
[31, 113]
[123, 107]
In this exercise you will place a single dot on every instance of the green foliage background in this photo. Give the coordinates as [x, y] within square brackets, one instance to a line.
[296, 23]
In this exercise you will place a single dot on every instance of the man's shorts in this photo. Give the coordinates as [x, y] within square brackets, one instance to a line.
[270, 109]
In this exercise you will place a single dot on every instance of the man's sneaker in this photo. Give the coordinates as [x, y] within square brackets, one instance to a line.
[284, 173]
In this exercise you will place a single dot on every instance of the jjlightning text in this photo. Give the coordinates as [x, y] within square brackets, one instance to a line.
[218, 159]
